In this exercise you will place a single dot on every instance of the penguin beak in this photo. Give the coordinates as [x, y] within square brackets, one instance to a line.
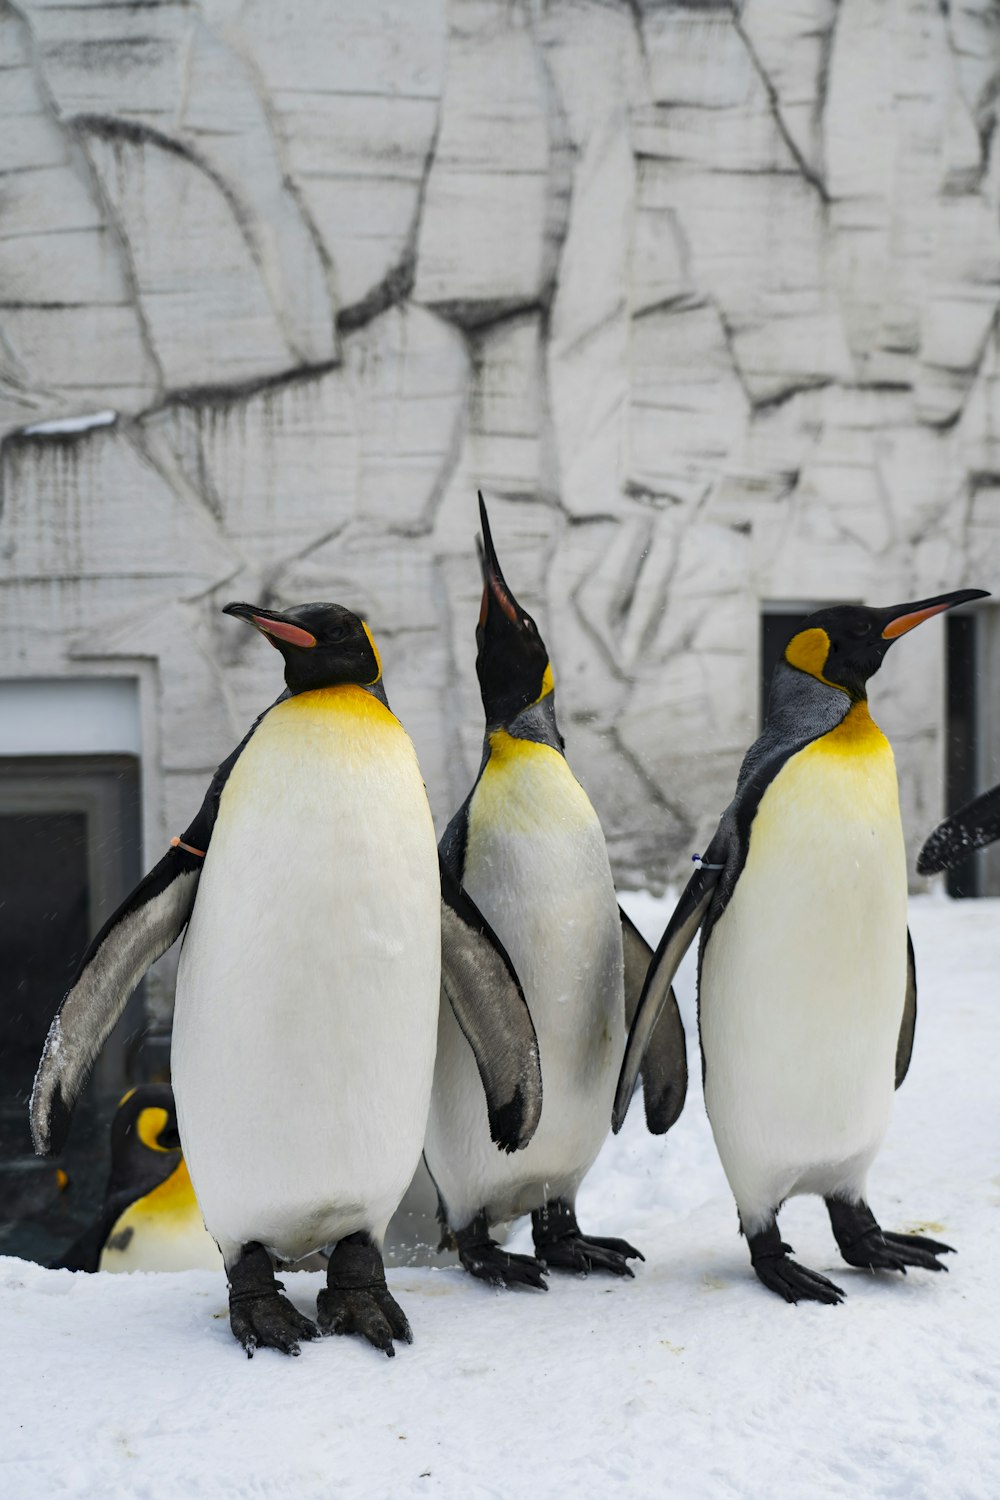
[903, 617]
[495, 590]
[272, 625]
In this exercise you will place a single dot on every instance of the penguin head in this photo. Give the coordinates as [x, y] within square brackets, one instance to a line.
[324, 645]
[512, 662]
[845, 644]
[145, 1144]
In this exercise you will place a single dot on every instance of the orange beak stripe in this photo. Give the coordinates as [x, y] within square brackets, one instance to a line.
[903, 623]
[282, 631]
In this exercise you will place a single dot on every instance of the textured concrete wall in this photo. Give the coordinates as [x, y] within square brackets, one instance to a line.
[703, 296]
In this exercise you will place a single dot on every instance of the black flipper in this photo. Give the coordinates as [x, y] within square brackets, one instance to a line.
[688, 916]
[908, 1025]
[664, 1067]
[972, 827]
[140, 931]
[489, 1005]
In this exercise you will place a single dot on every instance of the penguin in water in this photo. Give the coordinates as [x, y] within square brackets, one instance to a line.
[150, 1219]
[973, 827]
[319, 930]
[528, 847]
[807, 988]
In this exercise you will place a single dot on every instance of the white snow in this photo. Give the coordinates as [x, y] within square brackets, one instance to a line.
[71, 424]
[689, 1381]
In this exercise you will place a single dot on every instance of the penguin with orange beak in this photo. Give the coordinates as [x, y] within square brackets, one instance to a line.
[528, 847]
[807, 986]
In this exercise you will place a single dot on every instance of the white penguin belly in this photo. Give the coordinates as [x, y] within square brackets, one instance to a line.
[537, 867]
[307, 994]
[804, 976]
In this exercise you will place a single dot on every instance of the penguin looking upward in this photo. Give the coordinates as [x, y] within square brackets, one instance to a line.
[807, 989]
[528, 847]
[150, 1219]
[319, 932]
[973, 827]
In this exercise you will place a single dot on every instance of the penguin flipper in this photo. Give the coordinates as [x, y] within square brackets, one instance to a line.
[489, 1005]
[688, 916]
[142, 929]
[134, 937]
[972, 827]
[904, 1043]
[664, 1067]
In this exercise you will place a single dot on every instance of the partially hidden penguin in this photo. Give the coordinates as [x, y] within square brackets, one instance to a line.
[807, 983]
[528, 847]
[149, 1219]
[973, 827]
[320, 929]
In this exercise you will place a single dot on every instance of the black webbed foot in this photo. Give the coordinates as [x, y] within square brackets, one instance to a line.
[258, 1315]
[770, 1259]
[863, 1243]
[356, 1298]
[562, 1247]
[488, 1261]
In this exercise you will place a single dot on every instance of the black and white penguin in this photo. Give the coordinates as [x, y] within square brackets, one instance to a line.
[307, 993]
[973, 827]
[807, 988]
[528, 847]
[150, 1219]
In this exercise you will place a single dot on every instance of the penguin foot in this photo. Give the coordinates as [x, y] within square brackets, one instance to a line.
[373, 1313]
[356, 1298]
[770, 1259]
[487, 1261]
[864, 1244]
[258, 1315]
[561, 1246]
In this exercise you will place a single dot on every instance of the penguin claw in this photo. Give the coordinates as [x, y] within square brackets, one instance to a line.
[796, 1283]
[879, 1250]
[269, 1321]
[585, 1253]
[372, 1313]
[486, 1261]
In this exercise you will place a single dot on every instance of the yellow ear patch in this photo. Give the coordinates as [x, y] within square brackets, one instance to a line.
[148, 1127]
[808, 651]
[548, 682]
[375, 650]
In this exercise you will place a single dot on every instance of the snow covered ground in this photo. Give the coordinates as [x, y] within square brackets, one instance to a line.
[690, 1381]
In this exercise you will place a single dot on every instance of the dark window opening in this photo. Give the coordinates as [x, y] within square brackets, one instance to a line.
[70, 852]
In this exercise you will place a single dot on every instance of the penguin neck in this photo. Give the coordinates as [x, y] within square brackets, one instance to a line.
[797, 696]
[536, 723]
[375, 688]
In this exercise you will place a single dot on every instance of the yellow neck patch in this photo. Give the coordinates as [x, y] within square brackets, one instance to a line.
[528, 787]
[808, 652]
[856, 734]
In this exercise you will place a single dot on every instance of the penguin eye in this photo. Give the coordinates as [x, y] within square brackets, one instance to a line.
[859, 631]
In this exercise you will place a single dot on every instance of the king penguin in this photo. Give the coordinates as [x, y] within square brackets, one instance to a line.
[528, 847]
[807, 985]
[319, 929]
[973, 827]
[150, 1219]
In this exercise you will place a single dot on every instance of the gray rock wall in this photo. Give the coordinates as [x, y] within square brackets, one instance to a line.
[703, 296]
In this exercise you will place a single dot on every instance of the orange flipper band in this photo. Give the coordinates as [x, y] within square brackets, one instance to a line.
[176, 843]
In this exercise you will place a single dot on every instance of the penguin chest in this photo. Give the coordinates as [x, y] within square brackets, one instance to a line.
[162, 1232]
[307, 994]
[803, 976]
[536, 865]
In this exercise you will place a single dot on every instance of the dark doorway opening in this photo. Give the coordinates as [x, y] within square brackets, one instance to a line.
[69, 853]
[963, 714]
